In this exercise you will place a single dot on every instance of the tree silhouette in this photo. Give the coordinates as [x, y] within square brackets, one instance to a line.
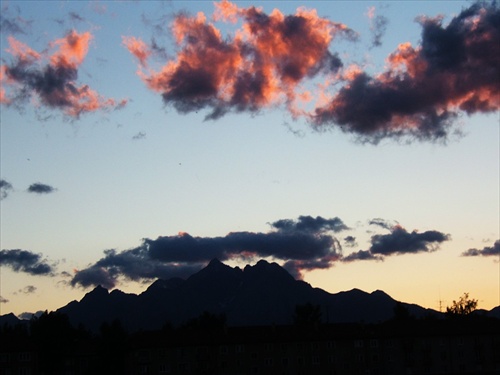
[464, 306]
[112, 347]
[54, 336]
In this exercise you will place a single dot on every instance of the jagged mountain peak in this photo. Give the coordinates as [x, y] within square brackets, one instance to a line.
[260, 294]
[215, 262]
[97, 293]
[169, 284]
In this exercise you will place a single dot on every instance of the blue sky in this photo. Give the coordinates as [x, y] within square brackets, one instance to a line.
[140, 169]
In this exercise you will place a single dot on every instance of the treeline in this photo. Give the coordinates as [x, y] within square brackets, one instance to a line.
[56, 344]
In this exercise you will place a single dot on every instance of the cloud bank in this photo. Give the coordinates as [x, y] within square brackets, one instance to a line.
[50, 79]
[25, 261]
[303, 244]
[300, 245]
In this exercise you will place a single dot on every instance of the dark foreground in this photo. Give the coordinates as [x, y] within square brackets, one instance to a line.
[50, 345]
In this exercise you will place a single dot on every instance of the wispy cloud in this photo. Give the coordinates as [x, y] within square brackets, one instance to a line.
[11, 21]
[25, 261]
[362, 255]
[140, 135]
[378, 26]
[28, 289]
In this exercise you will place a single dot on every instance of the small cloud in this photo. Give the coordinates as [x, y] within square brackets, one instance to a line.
[29, 289]
[3, 300]
[76, 17]
[386, 224]
[378, 26]
[138, 136]
[25, 261]
[40, 188]
[5, 189]
[400, 241]
[350, 241]
[485, 251]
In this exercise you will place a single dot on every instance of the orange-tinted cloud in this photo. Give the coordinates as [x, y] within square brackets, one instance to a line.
[262, 65]
[51, 79]
[456, 68]
[137, 48]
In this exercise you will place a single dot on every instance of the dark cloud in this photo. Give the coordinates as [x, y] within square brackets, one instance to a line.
[5, 189]
[485, 251]
[455, 69]
[3, 300]
[310, 224]
[40, 188]
[304, 244]
[261, 66]
[301, 245]
[400, 241]
[25, 261]
[362, 255]
[54, 82]
[350, 241]
[135, 264]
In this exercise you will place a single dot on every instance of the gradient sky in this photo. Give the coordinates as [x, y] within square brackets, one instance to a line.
[354, 143]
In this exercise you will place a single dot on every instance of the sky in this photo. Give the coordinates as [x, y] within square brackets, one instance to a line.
[354, 143]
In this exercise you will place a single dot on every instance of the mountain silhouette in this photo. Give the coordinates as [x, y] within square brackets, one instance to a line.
[262, 294]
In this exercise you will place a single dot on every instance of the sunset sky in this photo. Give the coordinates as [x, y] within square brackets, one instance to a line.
[354, 143]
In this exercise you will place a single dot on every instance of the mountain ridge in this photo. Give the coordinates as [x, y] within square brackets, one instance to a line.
[260, 294]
